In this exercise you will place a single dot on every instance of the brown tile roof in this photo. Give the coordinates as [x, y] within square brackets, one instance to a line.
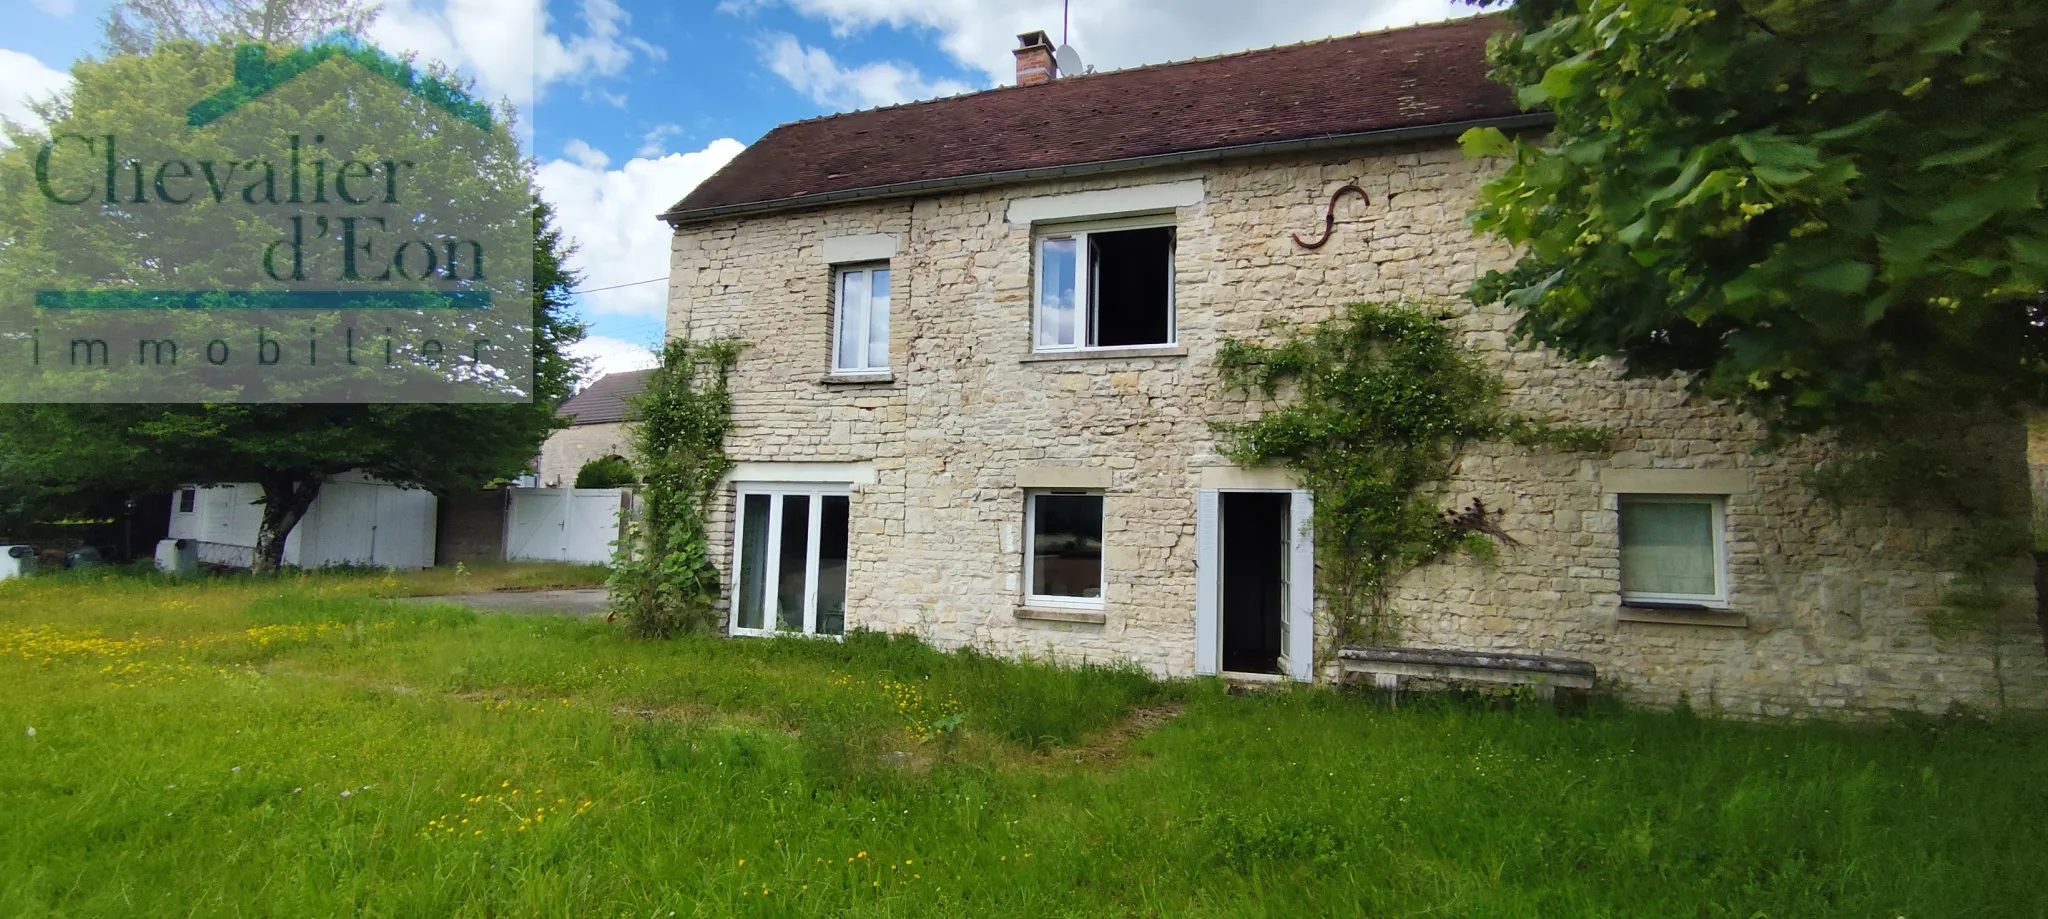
[604, 401]
[1373, 82]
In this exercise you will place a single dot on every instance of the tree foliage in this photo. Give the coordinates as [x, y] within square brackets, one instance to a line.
[1384, 398]
[59, 456]
[606, 472]
[1827, 212]
[663, 580]
[138, 26]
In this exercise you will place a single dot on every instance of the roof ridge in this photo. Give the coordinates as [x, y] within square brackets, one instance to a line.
[1372, 87]
[1138, 68]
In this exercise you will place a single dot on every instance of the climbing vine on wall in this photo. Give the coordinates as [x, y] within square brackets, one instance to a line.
[1381, 399]
[663, 580]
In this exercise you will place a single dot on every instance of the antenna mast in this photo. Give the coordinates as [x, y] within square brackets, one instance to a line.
[1066, 10]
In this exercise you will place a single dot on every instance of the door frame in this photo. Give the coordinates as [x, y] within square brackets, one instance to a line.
[1297, 654]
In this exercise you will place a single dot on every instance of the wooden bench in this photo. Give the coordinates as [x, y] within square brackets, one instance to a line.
[1389, 665]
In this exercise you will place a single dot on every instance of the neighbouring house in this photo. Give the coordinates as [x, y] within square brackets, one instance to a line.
[597, 426]
[355, 520]
[976, 402]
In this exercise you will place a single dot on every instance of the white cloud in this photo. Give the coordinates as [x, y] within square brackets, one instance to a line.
[23, 78]
[1111, 34]
[814, 72]
[54, 7]
[655, 142]
[510, 46]
[610, 214]
[603, 355]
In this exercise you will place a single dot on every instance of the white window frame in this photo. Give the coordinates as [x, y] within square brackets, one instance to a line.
[839, 273]
[1719, 505]
[771, 583]
[1031, 551]
[1084, 283]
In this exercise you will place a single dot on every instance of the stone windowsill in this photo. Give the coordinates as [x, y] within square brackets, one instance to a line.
[1101, 354]
[1062, 614]
[858, 379]
[1682, 615]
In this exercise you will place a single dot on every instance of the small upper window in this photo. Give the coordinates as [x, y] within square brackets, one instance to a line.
[861, 326]
[1105, 288]
[186, 499]
[1063, 548]
[1673, 550]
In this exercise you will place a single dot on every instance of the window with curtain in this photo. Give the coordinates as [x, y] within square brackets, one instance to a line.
[1672, 550]
[861, 327]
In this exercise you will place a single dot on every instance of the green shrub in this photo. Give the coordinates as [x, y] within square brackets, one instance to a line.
[606, 472]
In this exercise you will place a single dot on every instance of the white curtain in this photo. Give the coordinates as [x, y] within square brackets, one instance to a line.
[1667, 547]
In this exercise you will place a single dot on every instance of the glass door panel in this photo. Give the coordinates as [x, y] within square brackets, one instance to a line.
[832, 544]
[793, 557]
[753, 575]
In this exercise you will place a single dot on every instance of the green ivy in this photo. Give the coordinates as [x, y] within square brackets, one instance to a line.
[1383, 399]
[663, 580]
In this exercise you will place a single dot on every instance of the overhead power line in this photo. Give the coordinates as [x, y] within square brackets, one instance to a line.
[592, 290]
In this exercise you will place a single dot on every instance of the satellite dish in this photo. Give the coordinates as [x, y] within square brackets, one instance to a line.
[1068, 59]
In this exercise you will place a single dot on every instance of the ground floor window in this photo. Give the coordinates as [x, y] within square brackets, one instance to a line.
[789, 561]
[1063, 548]
[1673, 550]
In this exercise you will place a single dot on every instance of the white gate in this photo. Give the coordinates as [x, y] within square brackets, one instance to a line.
[564, 524]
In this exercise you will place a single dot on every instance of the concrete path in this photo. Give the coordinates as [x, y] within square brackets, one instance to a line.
[586, 602]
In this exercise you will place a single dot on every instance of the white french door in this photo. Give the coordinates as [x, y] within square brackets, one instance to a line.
[789, 560]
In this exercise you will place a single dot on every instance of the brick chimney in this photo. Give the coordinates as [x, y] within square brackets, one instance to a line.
[1035, 63]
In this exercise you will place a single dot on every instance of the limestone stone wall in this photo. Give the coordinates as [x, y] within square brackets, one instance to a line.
[1825, 605]
[563, 454]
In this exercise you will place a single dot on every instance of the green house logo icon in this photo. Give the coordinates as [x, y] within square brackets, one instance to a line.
[256, 73]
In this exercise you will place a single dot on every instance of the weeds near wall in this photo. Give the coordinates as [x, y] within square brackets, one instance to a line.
[1383, 399]
[663, 581]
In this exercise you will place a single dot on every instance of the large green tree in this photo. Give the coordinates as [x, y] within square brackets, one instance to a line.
[137, 26]
[58, 455]
[1828, 211]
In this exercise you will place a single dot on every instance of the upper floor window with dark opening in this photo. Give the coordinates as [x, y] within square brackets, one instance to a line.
[1105, 286]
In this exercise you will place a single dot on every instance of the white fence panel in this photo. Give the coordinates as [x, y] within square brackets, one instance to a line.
[353, 521]
[564, 524]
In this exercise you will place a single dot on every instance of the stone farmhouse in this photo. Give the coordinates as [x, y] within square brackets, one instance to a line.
[977, 399]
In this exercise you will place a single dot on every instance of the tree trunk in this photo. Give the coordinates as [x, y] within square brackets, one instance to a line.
[2041, 596]
[286, 496]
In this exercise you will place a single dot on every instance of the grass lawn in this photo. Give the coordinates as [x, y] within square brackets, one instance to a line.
[302, 748]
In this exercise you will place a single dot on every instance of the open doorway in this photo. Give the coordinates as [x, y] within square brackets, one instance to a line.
[1253, 579]
[1255, 583]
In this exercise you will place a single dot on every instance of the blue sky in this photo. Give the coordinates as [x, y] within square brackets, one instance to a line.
[631, 102]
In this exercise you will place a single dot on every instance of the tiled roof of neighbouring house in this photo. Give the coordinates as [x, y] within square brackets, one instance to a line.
[604, 401]
[1371, 83]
